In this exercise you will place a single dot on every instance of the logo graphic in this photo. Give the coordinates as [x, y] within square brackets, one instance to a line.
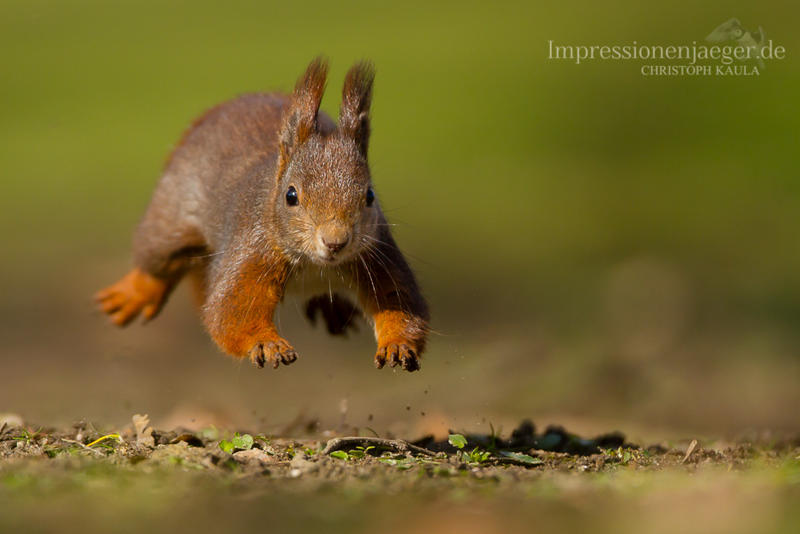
[732, 30]
[729, 50]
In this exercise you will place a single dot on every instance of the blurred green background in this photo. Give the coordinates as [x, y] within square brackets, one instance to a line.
[600, 248]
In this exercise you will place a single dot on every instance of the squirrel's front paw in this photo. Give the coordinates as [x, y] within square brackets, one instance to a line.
[397, 354]
[272, 352]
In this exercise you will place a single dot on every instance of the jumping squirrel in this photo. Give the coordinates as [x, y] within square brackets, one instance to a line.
[265, 193]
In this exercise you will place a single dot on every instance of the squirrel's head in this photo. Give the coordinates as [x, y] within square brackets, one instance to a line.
[324, 201]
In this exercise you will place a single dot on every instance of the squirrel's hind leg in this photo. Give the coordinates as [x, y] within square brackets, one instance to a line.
[166, 245]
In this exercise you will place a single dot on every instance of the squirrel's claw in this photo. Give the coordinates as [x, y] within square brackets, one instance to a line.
[272, 352]
[397, 354]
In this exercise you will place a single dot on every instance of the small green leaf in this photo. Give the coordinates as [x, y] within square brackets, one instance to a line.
[401, 463]
[244, 442]
[340, 455]
[476, 456]
[457, 440]
[226, 446]
[524, 458]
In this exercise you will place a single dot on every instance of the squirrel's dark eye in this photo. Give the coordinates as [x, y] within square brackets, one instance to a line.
[370, 196]
[291, 196]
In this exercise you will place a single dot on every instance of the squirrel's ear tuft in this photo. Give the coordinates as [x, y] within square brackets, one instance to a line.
[356, 100]
[300, 118]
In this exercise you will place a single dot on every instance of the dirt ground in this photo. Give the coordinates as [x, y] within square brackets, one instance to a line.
[87, 479]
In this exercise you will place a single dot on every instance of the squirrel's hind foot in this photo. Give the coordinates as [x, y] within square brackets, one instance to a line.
[338, 313]
[136, 293]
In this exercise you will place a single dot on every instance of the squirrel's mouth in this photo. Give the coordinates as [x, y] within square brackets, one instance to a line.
[330, 259]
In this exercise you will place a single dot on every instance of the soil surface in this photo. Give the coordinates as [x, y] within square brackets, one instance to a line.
[143, 477]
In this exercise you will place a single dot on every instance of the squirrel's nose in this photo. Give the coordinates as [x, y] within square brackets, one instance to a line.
[334, 237]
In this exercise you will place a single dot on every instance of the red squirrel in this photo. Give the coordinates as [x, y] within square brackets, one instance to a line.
[263, 193]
